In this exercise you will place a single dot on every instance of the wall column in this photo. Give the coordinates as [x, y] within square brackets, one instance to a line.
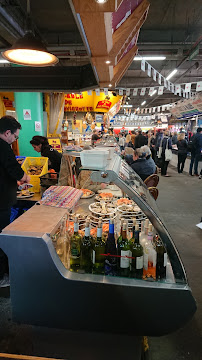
[29, 101]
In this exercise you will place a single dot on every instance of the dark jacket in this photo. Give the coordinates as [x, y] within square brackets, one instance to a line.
[166, 140]
[140, 140]
[129, 144]
[10, 172]
[174, 139]
[197, 142]
[159, 137]
[144, 167]
[182, 146]
[54, 157]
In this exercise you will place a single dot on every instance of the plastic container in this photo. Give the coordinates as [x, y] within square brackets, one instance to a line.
[48, 180]
[94, 159]
[36, 161]
[20, 159]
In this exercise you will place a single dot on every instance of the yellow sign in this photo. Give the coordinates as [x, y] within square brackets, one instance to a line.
[8, 100]
[84, 102]
[55, 143]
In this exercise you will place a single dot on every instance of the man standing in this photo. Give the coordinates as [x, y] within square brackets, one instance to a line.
[10, 173]
[95, 137]
[140, 140]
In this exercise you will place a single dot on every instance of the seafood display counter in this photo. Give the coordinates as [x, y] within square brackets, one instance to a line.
[45, 292]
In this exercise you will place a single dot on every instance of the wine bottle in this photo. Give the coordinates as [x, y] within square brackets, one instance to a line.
[144, 232]
[149, 270]
[99, 251]
[133, 231]
[86, 251]
[75, 242]
[111, 258]
[137, 254]
[124, 253]
[161, 261]
[121, 229]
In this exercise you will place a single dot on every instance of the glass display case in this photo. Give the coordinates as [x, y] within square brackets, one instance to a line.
[45, 292]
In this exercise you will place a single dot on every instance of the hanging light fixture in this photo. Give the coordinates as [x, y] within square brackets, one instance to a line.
[29, 50]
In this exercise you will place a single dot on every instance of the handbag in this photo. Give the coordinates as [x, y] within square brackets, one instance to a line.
[160, 150]
[168, 153]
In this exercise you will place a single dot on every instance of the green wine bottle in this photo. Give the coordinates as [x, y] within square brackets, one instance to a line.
[98, 251]
[119, 240]
[137, 254]
[75, 241]
[124, 253]
[86, 251]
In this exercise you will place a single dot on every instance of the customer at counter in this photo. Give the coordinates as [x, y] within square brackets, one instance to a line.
[95, 137]
[141, 165]
[182, 152]
[40, 144]
[10, 173]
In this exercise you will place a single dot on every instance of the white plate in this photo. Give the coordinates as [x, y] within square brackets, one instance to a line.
[89, 196]
[25, 196]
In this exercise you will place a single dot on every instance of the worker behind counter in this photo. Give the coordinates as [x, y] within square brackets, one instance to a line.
[94, 137]
[10, 173]
[41, 145]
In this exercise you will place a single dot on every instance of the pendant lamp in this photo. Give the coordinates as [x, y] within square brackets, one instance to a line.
[29, 50]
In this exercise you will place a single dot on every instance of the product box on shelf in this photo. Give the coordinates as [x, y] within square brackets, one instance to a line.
[35, 161]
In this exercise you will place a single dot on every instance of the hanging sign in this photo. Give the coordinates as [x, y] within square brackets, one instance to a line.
[135, 92]
[187, 87]
[121, 92]
[106, 91]
[27, 114]
[159, 79]
[149, 70]
[143, 65]
[151, 90]
[154, 74]
[89, 92]
[142, 92]
[127, 92]
[199, 86]
[160, 90]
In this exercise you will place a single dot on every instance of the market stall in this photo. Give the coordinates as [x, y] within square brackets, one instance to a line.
[45, 292]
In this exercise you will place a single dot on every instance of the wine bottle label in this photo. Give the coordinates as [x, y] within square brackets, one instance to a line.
[74, 253]
[125, 261]
[93, 256]
[145, 260]
[150, 236]
[165, 259]
[99, 232]
[76, 227]
[87, 231]
[139, 262]
[154, 256]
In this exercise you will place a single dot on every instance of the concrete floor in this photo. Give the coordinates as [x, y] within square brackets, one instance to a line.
[180, 202]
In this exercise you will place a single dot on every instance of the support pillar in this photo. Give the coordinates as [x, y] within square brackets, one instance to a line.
[33, 103]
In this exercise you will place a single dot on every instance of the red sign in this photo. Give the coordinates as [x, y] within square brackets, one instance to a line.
[8, 103]
[103, 104]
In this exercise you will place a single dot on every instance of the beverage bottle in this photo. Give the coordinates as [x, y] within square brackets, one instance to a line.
[75, 243]
[111, 258]
[137, 254]
[124, 252]
[133, 231]
[121, 229]
[144, 232]
[86, 250]
[149, 269]
[161, 260]
[61, 240]
[98, 251]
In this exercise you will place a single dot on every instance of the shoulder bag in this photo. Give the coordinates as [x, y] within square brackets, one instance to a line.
[168, 153]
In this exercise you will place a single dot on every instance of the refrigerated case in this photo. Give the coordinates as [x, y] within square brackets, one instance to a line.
[44, 292]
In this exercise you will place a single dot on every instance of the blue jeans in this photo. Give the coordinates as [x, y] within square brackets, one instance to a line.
[197, 159]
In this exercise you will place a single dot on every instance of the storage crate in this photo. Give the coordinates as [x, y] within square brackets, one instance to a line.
[36, 161]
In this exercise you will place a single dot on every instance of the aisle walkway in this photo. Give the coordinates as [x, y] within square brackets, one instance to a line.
[180, 202]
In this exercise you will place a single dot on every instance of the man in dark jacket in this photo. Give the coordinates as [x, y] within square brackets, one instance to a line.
[140, 140]
[141, 165]
[10, 173]
[197, 143]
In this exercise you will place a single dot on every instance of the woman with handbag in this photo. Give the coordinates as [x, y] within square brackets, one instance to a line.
[166, 153]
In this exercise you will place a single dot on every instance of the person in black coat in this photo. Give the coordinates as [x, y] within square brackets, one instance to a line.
[10, 173]
[166, 143]
[40, 144]
[182, 152]
[141, 165]
[140, 140]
